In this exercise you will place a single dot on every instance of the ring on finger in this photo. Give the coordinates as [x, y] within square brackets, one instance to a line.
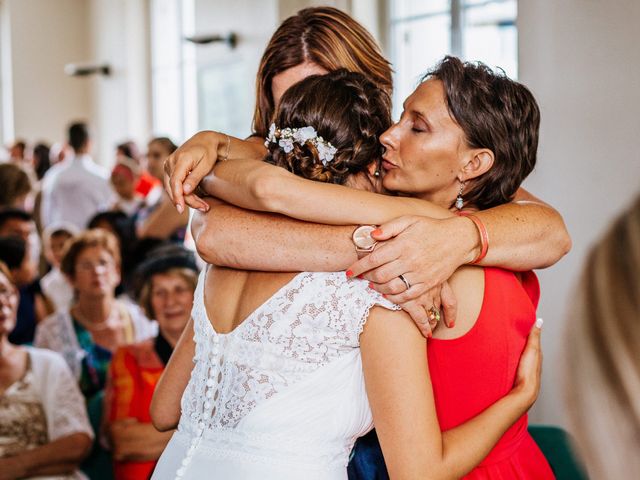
[405, 281]
[434, 314]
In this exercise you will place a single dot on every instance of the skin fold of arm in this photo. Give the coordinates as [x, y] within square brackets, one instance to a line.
[524, 235]
[401, 397]
[59, 457]
[137, 441]
[165, 405]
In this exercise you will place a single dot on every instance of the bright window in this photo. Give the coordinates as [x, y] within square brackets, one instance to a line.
[422, 32]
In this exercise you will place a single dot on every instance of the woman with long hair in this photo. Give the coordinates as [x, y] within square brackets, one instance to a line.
[602, 378]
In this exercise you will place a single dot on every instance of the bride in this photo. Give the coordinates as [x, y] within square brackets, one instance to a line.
[278, 374]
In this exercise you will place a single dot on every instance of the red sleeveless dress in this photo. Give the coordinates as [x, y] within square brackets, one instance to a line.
[472, 372]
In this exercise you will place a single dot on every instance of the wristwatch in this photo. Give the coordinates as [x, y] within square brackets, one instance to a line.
[363, 241]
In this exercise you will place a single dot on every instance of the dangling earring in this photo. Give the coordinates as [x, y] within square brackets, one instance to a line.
[376, 173]
[459, 200]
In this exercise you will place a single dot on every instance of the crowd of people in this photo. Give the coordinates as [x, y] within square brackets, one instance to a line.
[96, 287]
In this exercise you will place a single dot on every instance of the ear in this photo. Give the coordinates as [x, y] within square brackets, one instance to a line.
[480, 162]
[372, 167]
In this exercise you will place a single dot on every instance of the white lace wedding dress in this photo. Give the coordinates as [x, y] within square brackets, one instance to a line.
[281, 397]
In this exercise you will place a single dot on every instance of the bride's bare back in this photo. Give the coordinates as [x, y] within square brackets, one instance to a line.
[230, 296]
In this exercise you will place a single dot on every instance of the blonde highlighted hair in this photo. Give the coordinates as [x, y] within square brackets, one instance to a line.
[603, 353]
[327, 37]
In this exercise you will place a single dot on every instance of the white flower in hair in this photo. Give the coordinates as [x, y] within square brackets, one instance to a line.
[286, 137]
[272, 135]
[326, 151]
[286, 144]
[304, 134]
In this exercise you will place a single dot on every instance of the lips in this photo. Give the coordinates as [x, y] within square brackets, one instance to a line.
[387, 165]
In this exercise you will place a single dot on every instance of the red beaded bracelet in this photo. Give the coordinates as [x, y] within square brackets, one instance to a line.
[484, 236]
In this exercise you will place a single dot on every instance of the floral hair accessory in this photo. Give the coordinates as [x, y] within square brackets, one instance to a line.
[286, 137]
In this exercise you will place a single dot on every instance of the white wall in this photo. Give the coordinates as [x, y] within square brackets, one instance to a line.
[581, 59]
[121, 102]
[44, 36]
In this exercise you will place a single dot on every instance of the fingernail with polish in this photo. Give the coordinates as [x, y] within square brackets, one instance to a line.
[349, 273]
[377, 231]
[371, 285]
[187, 188]
[180, 208]
[539, 322]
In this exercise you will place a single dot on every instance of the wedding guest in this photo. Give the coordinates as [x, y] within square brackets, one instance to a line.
[602, 386]
[17, 233]
[44, 429]
[168, 278]
[15, 187]
[54, 283]
[74, 192]
[96, 324]
[158, 218]
[41, 159]
[125, 176]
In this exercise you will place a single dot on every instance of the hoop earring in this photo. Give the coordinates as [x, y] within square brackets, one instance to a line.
[459, 199]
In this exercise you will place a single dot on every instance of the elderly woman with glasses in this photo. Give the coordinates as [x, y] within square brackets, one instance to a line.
[44, 430]
[88, 333]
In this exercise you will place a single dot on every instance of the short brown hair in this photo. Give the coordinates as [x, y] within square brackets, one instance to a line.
[347, 110]
[15, 183]
[497, 113]
[327, 37]
[187, 274]
[87, 239]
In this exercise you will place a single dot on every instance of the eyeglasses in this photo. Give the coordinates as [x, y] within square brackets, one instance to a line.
[8, 294]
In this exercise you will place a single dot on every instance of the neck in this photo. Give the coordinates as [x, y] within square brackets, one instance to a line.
[171, 337]
[95, 310]
[5, 348]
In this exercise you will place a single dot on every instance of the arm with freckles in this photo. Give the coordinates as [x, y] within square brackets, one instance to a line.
[524, 234]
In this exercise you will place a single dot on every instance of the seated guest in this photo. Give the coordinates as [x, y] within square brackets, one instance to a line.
[33, 305]
[159, 218]
[124, 178]
[168, 280]
[44, 429]
[15, 187]
[602, 361]
[121, 226]
[97, 323]
[54, 284]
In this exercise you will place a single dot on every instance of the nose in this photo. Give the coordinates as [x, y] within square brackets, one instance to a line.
[389, 138]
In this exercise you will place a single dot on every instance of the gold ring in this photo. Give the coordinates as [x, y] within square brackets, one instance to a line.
[434, 314]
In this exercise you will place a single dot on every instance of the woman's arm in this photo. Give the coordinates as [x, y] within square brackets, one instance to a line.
[259, 238]
[134, 441]
[399, 389]
[163, 221]
[165, 405]
[59, 457]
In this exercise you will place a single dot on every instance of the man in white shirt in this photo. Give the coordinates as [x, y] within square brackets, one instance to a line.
[77, 188]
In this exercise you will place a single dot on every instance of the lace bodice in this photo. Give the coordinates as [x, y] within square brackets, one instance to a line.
[311, 322]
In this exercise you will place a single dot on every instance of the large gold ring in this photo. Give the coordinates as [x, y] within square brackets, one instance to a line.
[434, 314]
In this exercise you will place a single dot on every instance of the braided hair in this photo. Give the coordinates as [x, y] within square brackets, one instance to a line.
[347, 110]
